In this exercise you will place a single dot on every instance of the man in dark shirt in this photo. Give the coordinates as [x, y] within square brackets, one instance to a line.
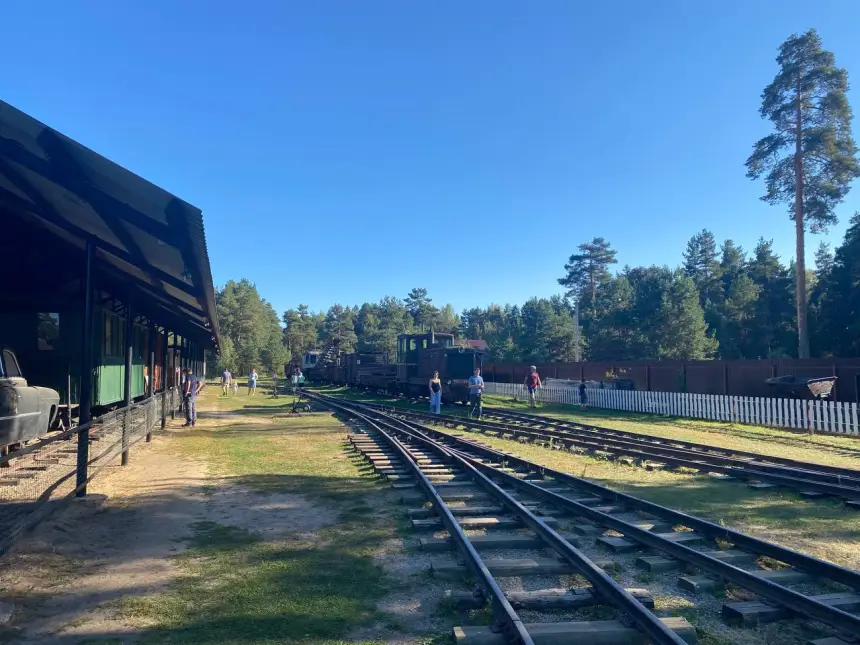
[191, 389]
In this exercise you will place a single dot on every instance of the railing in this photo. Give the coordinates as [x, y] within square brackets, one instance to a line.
[800, 414]
[40, 477]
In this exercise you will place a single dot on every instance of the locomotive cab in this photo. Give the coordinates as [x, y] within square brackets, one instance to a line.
[419, 355]
[410, 345]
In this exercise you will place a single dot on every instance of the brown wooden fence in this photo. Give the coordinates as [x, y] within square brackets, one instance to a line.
[738, 378]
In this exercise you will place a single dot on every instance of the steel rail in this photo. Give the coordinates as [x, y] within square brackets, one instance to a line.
[796, 464]
[794, 601]
[784, 554]
[617, 595]
[608, 445]
[502, 609]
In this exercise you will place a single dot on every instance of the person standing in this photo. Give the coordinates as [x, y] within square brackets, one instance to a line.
[532, 383]
[252, 382]
[226, 379]
[435, 393]
[192, 389]
[476, 390]
[583, 398]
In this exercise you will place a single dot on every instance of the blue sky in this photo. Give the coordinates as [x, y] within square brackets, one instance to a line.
[344, 150]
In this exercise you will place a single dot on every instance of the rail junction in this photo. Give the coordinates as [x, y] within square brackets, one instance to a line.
[458, 485]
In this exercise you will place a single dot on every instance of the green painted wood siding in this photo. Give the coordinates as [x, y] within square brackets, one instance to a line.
[110, 373]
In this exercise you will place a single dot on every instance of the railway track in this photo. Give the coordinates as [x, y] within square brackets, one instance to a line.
[520, 493]
[762, 471]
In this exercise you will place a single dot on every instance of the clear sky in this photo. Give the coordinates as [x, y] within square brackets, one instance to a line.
[344, 150]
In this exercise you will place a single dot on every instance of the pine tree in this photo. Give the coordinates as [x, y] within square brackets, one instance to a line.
[811, 158]
[587, 269]
[421, 308]
[340, 328]
[773, 332]
[840, 304]
[702, 264]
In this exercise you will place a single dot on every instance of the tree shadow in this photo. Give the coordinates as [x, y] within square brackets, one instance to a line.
[243, 583]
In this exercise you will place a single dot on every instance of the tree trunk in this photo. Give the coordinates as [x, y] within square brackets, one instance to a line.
[800, 261]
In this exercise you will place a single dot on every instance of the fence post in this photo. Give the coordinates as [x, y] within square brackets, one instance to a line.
[129, 362]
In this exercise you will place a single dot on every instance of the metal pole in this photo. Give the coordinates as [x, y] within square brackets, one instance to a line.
[164, 354]
[129, 363]
[150, 384]
[178, 382]
[86, 389]
[576, 332]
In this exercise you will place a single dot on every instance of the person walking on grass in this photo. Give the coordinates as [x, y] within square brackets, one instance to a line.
[435, 393]
[476, 390]
[583, 398]
[532, 383]
[192, 388]
[252, 382]
[226, 379]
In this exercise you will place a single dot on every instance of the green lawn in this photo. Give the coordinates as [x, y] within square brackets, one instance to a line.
[237, 588]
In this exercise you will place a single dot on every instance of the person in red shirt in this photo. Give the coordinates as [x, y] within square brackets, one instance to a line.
[532, 383]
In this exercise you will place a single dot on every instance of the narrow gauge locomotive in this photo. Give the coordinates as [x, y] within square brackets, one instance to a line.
[418, 356]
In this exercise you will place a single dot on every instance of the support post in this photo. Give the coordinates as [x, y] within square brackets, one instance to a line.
[86, 389]
[164, 354]
[129, 362]
[178, 380]
[150, 383]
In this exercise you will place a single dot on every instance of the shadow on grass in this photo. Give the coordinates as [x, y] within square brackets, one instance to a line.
[237, 585]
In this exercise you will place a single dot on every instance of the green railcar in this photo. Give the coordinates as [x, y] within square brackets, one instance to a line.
[48, 346]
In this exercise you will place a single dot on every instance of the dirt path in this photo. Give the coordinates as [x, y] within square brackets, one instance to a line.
[112, 543]
[64, 581]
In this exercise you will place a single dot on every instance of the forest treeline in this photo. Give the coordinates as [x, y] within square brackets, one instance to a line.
[721, 302]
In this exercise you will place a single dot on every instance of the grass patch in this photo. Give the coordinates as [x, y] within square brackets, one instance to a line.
[237, 588]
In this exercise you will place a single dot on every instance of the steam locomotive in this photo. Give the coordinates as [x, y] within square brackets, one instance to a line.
[418, 356]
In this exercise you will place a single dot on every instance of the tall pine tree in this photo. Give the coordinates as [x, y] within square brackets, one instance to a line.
[810, 159]
[587, 269]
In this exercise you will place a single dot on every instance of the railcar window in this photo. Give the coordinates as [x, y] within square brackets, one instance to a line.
[48, 331]
[11, 364]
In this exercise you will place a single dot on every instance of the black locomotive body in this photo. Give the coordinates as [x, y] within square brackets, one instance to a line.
[418, 356]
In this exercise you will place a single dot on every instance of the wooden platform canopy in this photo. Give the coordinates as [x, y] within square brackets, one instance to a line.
[58, 199]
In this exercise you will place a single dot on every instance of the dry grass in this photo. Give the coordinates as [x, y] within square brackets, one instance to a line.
[823, 528]
[832, 450]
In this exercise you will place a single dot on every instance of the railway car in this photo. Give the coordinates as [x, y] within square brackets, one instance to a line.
[418, 356]
[49, 345]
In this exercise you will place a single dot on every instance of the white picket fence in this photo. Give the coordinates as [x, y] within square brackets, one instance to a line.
[818, 416]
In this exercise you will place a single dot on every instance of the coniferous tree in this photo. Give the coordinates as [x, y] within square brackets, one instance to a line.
[587, 269]
[810, 159]
[840, 303]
